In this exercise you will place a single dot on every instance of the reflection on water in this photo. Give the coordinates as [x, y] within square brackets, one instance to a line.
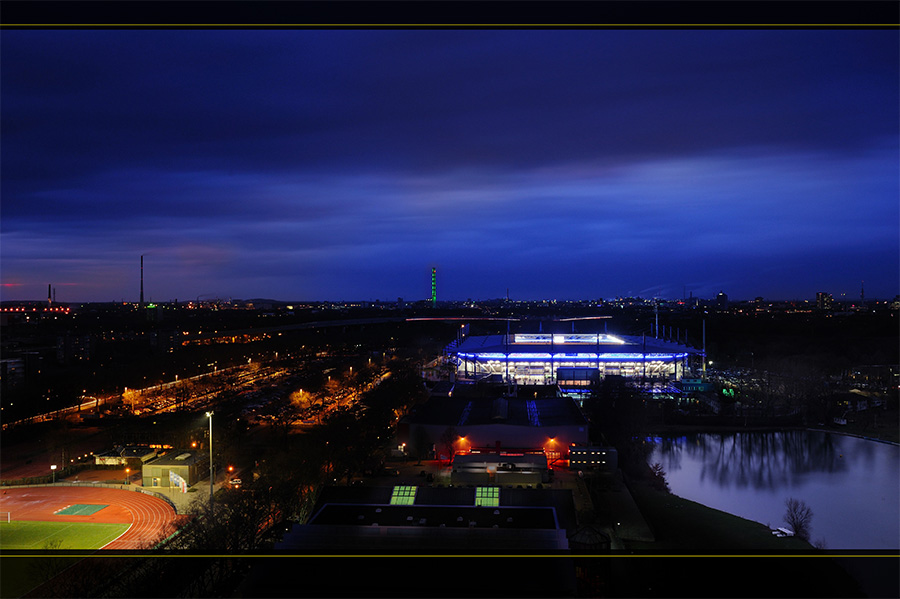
[851, 484]
[757, 460]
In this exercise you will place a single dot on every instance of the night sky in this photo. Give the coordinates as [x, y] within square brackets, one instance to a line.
[344, 164]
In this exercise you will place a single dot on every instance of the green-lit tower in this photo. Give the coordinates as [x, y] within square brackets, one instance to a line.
[433, 287]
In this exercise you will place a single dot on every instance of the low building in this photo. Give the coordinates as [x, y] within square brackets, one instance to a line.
[191, 466]
[528, 425]
[344, 517]
[132, 456]
[603, 459]
[693, 385]
[454, 539]
[500, 469]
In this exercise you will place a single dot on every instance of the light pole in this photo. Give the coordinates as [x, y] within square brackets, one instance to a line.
[210, 415]
[53, 471]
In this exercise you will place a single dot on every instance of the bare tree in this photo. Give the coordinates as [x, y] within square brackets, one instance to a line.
[799, 517]
[448, 438]
[658, 477]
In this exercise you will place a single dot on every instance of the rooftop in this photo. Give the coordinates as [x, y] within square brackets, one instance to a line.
[514, 411]
[577, 345]
[180, 458]
[454, 516]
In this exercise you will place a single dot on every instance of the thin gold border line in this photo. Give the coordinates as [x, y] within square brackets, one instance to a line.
[439, 555]
[457, 25]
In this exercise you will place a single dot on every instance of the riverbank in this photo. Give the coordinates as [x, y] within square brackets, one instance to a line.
[685, 526]
[709, 553]
[884, 433]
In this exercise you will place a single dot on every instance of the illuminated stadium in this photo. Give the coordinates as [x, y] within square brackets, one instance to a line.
[570, 360]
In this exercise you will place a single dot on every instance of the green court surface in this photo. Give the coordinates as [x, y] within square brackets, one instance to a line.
[81, 509]
[27, 534]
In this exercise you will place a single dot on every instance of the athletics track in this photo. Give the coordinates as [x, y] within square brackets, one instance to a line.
[151, 518]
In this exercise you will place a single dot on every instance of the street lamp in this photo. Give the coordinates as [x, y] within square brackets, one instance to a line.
[128, 476]
[210, 415]
[53, 470]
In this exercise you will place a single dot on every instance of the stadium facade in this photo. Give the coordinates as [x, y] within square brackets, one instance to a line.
[569, 360]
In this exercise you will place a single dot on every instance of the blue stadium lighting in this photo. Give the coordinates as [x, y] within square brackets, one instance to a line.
[526, 360]
[519, 357]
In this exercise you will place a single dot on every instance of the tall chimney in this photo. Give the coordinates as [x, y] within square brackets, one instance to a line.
[49, 295]
[142, 281]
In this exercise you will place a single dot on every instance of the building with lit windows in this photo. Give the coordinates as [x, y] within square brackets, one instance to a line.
[468, 522]
[824, 301]
[570, 360]
[508, 427]
[427, 519]
[722, 301]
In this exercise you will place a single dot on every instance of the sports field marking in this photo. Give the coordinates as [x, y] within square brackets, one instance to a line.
[80, 509]
[120, 535]
[33, 534]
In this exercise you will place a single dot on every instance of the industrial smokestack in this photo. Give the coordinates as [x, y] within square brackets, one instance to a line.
[49, 295]
[142, 281]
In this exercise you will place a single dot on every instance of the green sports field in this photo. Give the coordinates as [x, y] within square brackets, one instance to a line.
[27, 534]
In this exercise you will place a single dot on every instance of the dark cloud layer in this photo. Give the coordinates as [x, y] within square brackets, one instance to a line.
[343, 164]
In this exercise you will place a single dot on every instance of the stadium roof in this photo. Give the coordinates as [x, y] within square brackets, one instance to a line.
[561, 346]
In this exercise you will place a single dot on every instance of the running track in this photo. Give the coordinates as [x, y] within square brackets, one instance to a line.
[151, 518]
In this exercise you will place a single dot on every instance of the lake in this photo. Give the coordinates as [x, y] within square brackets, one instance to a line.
[851, 484]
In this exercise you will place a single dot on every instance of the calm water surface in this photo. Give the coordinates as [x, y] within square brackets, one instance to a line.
[852, 485]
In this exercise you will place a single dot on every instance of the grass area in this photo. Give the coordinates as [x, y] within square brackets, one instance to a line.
[81, 509]
[22, 574]
[689, 527]
[704, 543]
[28, 534]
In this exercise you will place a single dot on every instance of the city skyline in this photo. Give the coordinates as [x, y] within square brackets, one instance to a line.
[345, 165]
